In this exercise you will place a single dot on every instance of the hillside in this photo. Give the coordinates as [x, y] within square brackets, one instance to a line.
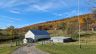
[72, 21]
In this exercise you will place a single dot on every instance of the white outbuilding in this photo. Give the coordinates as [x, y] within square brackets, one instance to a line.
[61, 39]
[35, 35]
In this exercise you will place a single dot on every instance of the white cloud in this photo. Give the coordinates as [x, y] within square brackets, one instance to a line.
[44, 7]
[8, 4]
[58, 14]
[15, 19]
[50, 5]
[31, 5]
[66, 14]
[10, 19]
[38, 7]
[15, 11]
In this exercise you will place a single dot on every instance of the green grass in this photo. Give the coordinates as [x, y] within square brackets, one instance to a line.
[5, 47]
[68, 49]
[88, 42]
[7, 50]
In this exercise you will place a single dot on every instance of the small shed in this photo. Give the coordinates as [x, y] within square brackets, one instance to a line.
[35, 35]
[61, 39]
[24, 41]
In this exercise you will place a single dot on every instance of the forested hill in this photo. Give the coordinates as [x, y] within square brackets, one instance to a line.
[59, 24]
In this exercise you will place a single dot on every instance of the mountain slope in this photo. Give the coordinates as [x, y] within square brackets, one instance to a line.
[87, 18]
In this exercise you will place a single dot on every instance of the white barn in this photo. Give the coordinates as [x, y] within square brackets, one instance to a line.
[35, 35]
[61, 39]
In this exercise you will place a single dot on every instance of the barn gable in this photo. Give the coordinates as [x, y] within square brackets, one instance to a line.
[29, 34]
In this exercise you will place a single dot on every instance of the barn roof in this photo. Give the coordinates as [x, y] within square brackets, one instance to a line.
[39, 32]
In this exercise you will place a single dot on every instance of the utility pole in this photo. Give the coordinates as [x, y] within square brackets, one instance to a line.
[79, 26]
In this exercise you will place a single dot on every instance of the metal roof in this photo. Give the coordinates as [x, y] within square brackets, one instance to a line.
[39, 32]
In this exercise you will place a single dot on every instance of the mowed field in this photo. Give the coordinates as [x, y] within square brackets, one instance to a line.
[5, 47]
[7, 50]
[88, 46]
[68, 49]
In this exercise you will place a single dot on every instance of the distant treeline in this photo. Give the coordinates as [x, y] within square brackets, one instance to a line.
[10, 33]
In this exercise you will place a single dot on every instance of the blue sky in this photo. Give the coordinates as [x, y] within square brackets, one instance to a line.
[20, 13]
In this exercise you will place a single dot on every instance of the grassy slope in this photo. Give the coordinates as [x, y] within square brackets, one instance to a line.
[7, 50]
[88, 46]
[68, 49]
[5, 47]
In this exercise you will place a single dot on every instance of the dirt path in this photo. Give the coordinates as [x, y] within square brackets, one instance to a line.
[28, 50]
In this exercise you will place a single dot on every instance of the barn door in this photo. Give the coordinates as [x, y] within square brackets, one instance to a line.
[30, 40]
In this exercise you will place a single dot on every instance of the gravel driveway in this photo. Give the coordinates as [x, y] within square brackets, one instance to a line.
[28, 50]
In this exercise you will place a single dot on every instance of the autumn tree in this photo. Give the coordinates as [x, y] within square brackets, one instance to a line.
[65, 27]
[62, 26]
[94, 17]
[10, 30]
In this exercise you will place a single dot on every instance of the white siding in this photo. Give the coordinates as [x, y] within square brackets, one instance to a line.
[58, 40]
[29, 34]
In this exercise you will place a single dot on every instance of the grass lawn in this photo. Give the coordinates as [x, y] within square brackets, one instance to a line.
[7, 50]
[68, 49]
[88, 42]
